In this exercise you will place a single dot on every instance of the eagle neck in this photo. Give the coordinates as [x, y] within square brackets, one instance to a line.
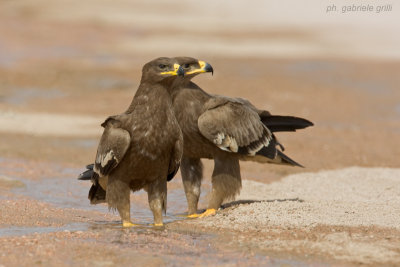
[149, 94]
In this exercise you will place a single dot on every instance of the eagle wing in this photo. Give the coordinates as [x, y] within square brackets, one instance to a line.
[234, 125]
[175, 160]
[113, 145]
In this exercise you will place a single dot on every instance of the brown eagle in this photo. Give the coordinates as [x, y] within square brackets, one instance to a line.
[224, 129]
[142, 147]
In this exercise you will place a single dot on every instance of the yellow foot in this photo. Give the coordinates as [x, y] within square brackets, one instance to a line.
[194, 215]
[182, 215]
[158, 225]
[208, 212]
[128, 224]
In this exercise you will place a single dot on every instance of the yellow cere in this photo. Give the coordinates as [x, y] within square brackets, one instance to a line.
[202, 65]
[174, 72]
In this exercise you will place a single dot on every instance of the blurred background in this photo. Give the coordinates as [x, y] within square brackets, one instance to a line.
[66, 65]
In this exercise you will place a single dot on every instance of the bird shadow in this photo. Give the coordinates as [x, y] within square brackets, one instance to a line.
[249, 201]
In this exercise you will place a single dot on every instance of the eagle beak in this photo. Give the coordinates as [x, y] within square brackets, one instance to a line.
[178, 70]
[204, 67]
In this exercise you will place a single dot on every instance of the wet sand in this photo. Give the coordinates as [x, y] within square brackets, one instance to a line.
[65, 67]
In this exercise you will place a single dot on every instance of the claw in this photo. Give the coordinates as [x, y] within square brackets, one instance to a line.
[128, 224]
[158, 224]
[208, 212]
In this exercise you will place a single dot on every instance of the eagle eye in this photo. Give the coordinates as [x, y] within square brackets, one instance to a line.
[162, 66]
[186, 66]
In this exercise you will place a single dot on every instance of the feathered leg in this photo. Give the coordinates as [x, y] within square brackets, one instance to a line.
[157, 195]
[118, 197]
[226, 183]
[192, 174]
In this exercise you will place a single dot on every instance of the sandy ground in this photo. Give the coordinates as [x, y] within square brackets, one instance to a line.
[350, 214]
[66, 65]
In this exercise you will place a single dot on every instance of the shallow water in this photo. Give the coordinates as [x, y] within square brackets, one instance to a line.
[84, 143]
[69, 192]
[109, 83]
[21, 230]
[21, 96]
[66, 191]
[11, 56]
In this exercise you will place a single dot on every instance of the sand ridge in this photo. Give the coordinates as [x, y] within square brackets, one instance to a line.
[350, 214]
[349, 197]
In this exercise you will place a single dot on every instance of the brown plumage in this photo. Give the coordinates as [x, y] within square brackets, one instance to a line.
[226, 130]
[141, 147]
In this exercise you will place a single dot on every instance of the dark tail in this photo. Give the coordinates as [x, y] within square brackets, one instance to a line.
[285, 123]
[274, 156]
[88, 174]
[97, 194]
[287, 160]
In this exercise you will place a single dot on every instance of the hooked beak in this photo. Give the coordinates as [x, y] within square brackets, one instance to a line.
[178, 70]
[204, 67]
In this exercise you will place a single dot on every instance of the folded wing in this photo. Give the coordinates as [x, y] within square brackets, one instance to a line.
[234, 125]
[113, 145]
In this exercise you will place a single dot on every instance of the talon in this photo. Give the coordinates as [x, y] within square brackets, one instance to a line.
[183, 215]
[208, 212]
[194, 215]
[128, 224]
[158, 224]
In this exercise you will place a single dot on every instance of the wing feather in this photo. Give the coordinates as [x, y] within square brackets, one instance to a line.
[113, 145]
[175, 160]
[234, 125]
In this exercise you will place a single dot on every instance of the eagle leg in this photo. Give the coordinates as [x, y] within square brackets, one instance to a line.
[118, 197]
[157, 196]
[192, 174]
[226, 181]
[124, 212]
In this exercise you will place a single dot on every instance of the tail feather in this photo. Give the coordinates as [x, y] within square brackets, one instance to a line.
[270, 150]
[90, 166]
[285, 123]
[264, 156]
[97, 194]
[88, 174]
[287, 160]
